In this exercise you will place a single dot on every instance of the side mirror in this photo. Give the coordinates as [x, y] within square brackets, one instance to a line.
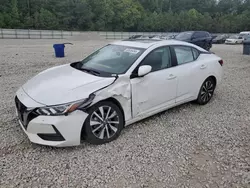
[144, 70]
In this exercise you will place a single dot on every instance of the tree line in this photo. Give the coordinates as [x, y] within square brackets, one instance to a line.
[127, 15]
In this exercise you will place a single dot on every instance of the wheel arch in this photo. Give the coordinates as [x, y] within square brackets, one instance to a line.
[214, 78]
[215, 83]
[117, 103]
[202, 81]
[110, 99]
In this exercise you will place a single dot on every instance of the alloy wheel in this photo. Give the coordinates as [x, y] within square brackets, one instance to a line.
[207, 91]
[104, 122]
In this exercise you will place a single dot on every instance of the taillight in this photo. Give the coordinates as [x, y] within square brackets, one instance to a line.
[221, 62]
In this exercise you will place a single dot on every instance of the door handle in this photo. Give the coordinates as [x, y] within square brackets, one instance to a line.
[171, 77]
[203, 66]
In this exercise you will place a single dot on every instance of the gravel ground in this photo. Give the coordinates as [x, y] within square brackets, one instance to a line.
[188, 146]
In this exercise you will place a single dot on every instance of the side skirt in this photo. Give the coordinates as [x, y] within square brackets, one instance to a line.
[149, 114]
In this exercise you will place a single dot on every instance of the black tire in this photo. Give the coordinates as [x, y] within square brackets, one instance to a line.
[206, 91]
[103, 131]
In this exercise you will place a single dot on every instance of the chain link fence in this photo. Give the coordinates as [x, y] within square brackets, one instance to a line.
[57, 34]
[35, 34]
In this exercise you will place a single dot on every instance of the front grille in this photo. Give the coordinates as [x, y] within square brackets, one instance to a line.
[31, 115]
[21, 108]
[24, 114]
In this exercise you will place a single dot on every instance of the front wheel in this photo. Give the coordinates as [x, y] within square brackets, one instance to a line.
[206, 91]
[104, 123]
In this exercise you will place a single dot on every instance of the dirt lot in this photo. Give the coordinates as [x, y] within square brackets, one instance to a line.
[188, 146]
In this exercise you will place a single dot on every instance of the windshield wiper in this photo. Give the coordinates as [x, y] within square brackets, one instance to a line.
[94, 72]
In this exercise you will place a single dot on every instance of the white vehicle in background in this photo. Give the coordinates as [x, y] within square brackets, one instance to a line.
[117, 85]
[234, 39]
[244, 34]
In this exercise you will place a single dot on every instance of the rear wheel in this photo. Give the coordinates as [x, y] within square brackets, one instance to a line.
[104, 123]
[206, 91]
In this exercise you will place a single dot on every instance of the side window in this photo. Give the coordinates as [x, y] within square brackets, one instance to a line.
[195, 53]
[196, 35]
[199, 34]
[184, 54]
[208, 34]
[158, 59]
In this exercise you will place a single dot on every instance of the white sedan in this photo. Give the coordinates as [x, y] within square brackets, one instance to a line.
[117, 85]
[235, 39]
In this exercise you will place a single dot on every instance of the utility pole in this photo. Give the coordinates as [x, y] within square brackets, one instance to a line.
[28, 3]
[170, 6]
[105, 14]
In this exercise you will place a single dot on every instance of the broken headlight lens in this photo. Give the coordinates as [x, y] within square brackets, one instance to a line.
[64, 109]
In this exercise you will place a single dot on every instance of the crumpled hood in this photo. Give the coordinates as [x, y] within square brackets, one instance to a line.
[63, 84]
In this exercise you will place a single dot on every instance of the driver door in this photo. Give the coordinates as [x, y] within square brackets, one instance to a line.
[157, 90]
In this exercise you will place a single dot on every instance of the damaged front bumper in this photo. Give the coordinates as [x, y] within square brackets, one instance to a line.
[58, 131]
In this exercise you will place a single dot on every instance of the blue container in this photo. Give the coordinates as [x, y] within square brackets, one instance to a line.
[59, 50]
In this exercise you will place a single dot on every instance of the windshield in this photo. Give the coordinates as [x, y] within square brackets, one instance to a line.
[220, 37]
[184, 36]
[234, 37]
[111, 59]
[244, 35]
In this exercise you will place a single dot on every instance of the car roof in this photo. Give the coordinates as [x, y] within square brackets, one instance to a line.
[245, 32]
[148, 43]
[195, 31]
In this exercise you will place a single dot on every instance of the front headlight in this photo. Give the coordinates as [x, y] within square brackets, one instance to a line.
[65, 109]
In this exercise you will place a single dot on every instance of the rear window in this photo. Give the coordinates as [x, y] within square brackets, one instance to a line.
[184, 36]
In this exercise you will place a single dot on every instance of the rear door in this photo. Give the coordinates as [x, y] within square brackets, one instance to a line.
[189, 72]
